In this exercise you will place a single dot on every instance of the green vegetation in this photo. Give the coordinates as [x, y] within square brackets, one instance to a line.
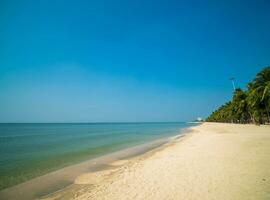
[247, 106]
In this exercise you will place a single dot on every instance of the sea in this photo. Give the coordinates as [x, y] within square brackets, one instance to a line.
[29, 150]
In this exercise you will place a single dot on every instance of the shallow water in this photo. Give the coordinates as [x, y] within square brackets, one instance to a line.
[31, 150]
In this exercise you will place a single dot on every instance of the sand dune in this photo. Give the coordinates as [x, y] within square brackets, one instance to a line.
[214, 161]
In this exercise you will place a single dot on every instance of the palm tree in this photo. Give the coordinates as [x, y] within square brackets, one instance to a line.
[260, 91]
[240, 108]
[252, 105]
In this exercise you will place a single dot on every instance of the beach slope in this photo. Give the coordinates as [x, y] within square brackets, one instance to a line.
[214, 161]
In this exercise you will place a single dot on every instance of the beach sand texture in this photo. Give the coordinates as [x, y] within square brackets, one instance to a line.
[214, 161]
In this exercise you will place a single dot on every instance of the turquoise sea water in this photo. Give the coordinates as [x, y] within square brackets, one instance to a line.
[31, 150]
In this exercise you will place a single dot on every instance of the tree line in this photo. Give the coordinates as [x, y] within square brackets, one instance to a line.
[247, 106]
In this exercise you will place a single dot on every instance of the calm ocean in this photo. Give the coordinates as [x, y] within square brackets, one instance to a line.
[31, 150]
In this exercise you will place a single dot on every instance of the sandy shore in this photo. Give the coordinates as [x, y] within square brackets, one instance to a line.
[214, 161]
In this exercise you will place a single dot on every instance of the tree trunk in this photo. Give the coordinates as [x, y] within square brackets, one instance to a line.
[267, 111]
[251, 118]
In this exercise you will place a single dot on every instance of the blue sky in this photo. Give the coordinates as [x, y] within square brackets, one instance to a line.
[91, 61]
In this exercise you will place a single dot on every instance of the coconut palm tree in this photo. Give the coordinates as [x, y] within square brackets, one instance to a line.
[252, 105]
[239, 107]
[260, 91]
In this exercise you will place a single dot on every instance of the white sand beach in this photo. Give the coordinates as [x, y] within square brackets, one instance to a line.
[214, 161]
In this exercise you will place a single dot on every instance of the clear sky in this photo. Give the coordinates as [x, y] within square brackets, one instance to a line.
[142, 60]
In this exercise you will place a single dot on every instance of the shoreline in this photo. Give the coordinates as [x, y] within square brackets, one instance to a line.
[214, 161]
[60, 179]
[208, 161]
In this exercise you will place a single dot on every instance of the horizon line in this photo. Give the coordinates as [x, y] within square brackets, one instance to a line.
[108, 122]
